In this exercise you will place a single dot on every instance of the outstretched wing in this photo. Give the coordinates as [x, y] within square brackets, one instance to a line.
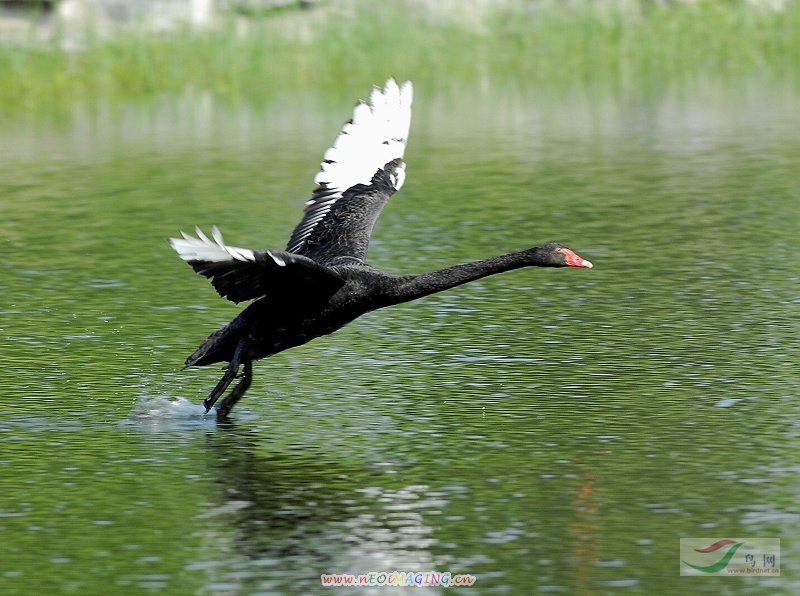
[359, 173]
[240, 274]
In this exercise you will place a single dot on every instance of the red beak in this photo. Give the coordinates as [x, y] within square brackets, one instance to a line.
[573, 260]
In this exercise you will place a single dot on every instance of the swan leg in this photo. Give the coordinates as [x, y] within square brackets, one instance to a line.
[227, 378]
[237, 392]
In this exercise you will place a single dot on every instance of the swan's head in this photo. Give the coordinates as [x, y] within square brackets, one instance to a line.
[559, 255]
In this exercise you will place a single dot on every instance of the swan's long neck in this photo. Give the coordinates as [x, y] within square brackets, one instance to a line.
[411, 287]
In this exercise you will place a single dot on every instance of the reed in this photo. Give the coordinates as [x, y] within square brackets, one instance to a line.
[616, 47]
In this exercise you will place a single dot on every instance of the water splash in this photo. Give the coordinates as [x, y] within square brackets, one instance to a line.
[158, 413]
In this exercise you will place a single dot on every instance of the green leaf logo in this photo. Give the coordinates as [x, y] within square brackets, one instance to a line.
[723, 562]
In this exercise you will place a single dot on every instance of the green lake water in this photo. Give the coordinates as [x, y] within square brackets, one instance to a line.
[544, 430]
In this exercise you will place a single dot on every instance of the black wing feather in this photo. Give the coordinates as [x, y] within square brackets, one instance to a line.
[239, 280]
[343, 228]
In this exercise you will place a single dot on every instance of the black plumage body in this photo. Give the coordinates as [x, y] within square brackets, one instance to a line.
[275, 323]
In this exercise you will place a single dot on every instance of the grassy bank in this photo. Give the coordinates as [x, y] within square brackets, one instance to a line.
[553, 46]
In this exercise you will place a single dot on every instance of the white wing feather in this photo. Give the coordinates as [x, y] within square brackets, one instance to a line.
[376, 136]
[202, 248]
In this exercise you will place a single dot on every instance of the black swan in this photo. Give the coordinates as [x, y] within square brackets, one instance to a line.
[321, 281]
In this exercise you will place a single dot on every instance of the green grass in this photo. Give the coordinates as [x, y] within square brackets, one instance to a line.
[553, 46]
